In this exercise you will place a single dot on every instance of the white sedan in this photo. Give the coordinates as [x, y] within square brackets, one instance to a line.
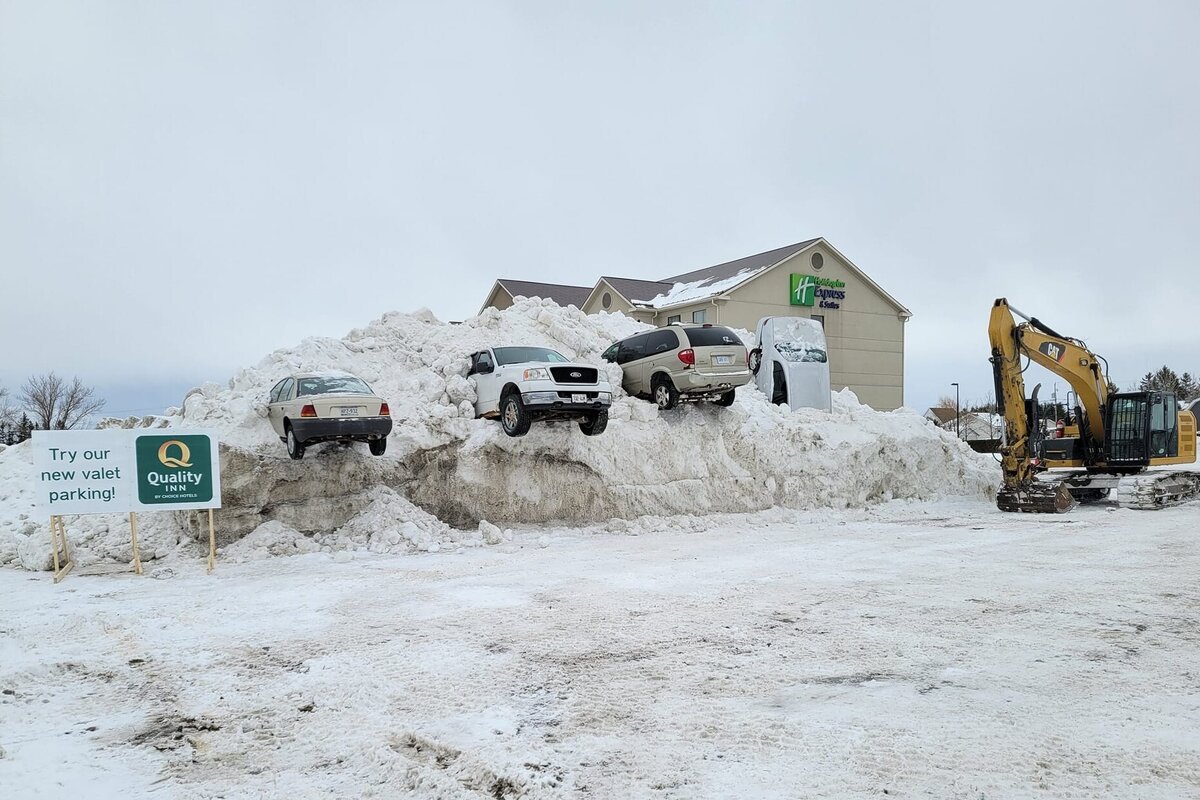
[308, 408]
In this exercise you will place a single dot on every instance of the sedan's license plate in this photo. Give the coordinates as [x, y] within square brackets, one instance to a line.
[579, 398]
[722, 361]
[349, 411]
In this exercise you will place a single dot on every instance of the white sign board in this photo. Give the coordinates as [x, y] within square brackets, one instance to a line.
[118, 471]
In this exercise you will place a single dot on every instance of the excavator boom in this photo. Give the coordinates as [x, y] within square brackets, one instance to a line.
[1146, 429]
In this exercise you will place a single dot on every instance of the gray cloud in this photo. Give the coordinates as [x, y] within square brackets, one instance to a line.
[186, 186]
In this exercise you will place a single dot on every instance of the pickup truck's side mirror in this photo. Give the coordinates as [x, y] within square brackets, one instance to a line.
[485, 367]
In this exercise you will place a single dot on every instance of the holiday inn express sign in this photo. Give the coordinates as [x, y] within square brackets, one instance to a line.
[118, 471]
[807, 289]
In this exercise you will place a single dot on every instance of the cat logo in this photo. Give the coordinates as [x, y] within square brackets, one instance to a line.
[1052, 350]
[183, 452]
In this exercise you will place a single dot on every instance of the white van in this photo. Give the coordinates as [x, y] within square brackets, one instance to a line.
[791, 362]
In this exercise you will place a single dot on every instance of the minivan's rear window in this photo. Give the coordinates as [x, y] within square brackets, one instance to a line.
[712, 337]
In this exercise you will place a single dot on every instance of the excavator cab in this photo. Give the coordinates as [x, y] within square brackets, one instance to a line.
[1142, 429]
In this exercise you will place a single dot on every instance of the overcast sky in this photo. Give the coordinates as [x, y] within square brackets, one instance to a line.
[187, 186]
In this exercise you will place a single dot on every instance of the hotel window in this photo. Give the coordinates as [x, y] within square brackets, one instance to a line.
[699, 316]
[673, 319]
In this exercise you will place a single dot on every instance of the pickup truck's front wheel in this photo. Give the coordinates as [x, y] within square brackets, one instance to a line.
[514, 417]
[595, 423]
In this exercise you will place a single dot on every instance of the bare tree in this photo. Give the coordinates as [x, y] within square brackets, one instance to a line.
[7, 412]
[57, 405]
[947, 401]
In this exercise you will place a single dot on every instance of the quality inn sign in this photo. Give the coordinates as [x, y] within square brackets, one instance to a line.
[174, 469]
[118, 471]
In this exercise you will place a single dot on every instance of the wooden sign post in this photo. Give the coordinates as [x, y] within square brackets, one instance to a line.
[137, 558]
[59, 532]
[124, 471]
[212, 543]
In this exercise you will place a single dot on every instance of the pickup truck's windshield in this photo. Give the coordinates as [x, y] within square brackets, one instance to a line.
[520, 355]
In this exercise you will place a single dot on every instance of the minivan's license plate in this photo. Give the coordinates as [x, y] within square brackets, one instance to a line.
[579, 398]
[349, 411]
[722, 361]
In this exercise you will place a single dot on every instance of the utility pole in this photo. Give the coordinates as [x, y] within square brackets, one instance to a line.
[957, 413]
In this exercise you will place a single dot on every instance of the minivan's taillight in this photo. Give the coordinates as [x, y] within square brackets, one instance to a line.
[308, 411]
[384, 411]
[688, 356]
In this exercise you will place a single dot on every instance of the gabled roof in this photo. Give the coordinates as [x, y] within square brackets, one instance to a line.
[637, 291]
[729, 269]
[702, 284]
[943, 415]
[561, 293]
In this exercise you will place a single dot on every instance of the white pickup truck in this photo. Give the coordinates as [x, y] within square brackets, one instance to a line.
[521, 384]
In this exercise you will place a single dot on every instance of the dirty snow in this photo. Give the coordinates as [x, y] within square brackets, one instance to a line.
[907, 650]
[445, 471]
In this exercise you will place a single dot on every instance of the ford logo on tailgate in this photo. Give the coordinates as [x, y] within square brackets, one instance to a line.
[576, 374]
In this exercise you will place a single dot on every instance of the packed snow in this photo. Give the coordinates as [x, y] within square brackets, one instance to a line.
[912, 649]
[701, 603]
[446, 472]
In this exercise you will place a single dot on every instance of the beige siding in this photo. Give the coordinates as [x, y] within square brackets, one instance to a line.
[499, 298]
[866, 335]
[595, 302]
[685, 313]
[617, 304]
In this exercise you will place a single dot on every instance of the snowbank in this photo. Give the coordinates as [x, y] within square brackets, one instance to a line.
[444, 468]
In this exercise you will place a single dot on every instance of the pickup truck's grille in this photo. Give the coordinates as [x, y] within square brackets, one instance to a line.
[574, 374]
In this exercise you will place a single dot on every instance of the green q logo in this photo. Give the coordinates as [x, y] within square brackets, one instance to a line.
[804, 290]
[169, 460]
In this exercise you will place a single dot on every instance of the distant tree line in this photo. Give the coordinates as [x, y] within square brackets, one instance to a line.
[1184, 386]
[48, 403]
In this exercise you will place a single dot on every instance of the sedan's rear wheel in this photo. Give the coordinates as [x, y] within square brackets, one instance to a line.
[378, 447]
[295, 448]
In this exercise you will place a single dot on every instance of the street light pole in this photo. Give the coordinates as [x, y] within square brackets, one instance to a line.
[957, 413]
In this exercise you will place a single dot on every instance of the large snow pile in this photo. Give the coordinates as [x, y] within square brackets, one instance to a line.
[444, 468]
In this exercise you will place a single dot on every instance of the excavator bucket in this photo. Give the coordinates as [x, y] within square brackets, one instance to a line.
[1036, 497]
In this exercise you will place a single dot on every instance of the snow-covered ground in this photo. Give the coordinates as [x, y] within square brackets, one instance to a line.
[910, 649]
[445, 471]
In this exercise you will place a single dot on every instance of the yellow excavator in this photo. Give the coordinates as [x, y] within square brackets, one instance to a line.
[1112, 439]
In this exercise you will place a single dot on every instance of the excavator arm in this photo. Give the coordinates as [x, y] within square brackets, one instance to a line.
[1063, 356]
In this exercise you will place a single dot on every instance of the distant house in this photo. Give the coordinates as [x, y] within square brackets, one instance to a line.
[864, 325]
[504, 291]
[978, 426]
[941, 417]
[980, 430]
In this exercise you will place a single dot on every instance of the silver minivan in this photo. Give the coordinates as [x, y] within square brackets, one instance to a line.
[682, 363]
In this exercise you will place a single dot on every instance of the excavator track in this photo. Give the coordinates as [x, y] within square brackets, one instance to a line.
[1154, 490]
[1036, 497]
